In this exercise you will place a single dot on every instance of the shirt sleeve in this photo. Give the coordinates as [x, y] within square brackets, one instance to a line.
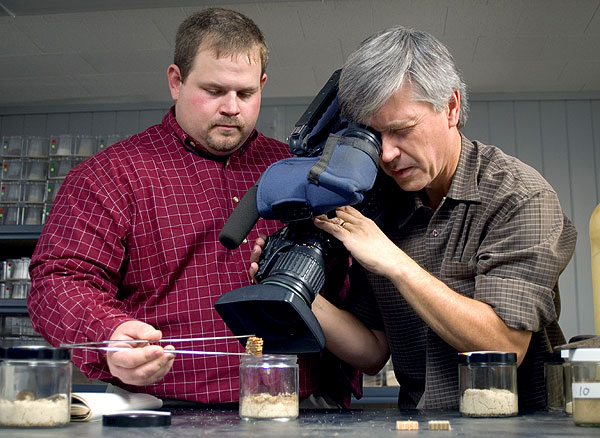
[76, 269]
[527, 246]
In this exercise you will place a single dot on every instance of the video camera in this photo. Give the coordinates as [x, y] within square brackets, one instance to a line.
[336, 163]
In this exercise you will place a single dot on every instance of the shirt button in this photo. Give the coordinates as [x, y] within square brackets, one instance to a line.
[193, 144]
[245, 241]
[435, 233]
[236, 199]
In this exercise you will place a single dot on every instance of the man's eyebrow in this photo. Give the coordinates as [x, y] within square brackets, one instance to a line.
[248, 90]
[218, 86]
[399, 125]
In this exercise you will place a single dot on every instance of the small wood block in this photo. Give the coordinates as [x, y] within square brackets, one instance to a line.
[407, 425]
[439, 425]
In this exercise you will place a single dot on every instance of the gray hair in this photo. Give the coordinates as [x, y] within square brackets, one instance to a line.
[390, 58]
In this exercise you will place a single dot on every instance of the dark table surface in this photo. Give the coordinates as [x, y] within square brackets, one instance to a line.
[368, 422]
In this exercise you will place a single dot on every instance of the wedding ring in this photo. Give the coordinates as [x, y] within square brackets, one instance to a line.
[342, 224]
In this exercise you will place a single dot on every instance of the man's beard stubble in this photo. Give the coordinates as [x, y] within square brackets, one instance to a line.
[225, 141]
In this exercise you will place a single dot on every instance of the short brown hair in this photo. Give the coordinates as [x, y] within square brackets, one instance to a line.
[223, 30]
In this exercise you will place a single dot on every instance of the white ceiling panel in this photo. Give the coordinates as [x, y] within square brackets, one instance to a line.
[141, 86]
[15, 41]
[585, 73]
[515, 77]
[155, 61]
[576, 49]
[556, 17]
[427, 15]
[515, 48]
[483, 18]
[41, 66]
[54, 89]
[77, 51]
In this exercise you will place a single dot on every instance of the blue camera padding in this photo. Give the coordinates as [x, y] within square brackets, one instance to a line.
[284, 182]
[347, 175]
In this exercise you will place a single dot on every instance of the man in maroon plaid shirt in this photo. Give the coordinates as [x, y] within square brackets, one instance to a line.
[130, 249]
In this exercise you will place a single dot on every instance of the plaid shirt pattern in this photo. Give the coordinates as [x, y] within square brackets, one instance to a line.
[500, 237]
[133, 234]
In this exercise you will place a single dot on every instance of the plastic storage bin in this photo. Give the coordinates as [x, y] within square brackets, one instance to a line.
[12, 146]
[12, 169]
[10, 214]
[10, 191]
[37, 147]
[269, 387]
[488, 384]
[62, 145]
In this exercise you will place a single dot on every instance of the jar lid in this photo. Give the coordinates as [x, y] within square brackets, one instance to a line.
[35, 352]
[501, 357]
[137, 419]
[583, 354]
[578, 338]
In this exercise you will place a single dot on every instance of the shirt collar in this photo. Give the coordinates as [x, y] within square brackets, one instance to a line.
[195, 146]
[463, 187]
[464, 182]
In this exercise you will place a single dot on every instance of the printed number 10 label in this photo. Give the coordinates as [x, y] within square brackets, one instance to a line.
[586, 390]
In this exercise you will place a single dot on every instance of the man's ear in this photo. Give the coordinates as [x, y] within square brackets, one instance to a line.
[263, 80]
[175, 81]
[454, 109]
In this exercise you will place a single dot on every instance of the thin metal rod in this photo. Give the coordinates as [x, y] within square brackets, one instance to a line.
[208, 353]
[138, 341]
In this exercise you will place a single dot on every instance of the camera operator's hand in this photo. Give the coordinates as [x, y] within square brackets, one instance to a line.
[255, 255]
[363, 238]
[142, 364]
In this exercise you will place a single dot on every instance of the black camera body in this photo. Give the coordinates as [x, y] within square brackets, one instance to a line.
[336, 164]
[295, 257]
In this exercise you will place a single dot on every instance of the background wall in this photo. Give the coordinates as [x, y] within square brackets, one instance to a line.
[556, 134]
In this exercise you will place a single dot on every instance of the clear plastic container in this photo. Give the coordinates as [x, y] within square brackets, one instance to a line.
[62, 145]
[34, 192]
[488, 384]
[269, 387]
[10, 191]
[52, 187]
[585, 385]
[85, 146]
[12, 146]
[10, 214]
[12, 169]
[35, 170]
[35, 386]
[37, 147]
[33, 214]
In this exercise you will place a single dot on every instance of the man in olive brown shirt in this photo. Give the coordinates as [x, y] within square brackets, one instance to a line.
[471, 244]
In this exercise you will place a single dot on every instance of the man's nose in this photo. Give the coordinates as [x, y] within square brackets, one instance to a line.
[389, 151]
[230, 105]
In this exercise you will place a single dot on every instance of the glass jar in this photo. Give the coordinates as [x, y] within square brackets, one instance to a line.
[488, 384]
[554, 378]
[269, 387]
[567, 372]
[35, 386]
[585, 385]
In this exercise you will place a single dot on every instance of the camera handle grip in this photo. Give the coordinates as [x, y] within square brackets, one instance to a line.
[244, 217]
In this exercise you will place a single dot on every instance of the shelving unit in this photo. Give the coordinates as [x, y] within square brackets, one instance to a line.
[13, 307]
[18, 240]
